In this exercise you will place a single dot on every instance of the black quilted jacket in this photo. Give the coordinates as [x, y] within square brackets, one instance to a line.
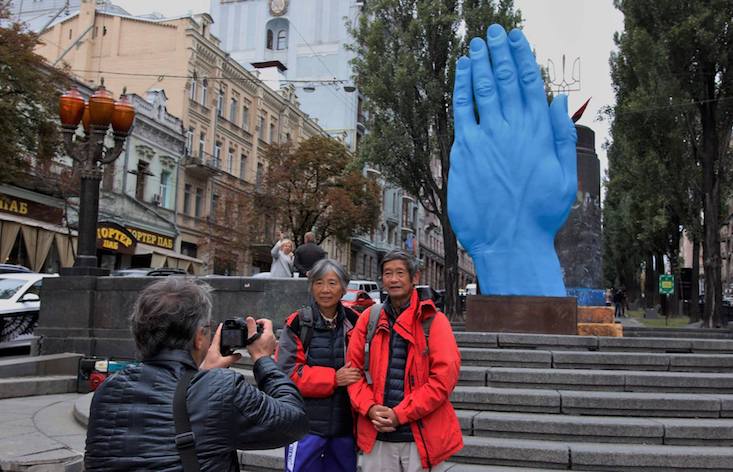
[131, 421]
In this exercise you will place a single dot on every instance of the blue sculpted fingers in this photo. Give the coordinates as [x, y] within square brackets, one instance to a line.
[484, 86]
[463, 113]
[505, 74]
[565, 137]
[530, 79]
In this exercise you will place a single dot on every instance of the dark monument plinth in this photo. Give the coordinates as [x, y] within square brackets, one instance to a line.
[522, 314]
[90, 315]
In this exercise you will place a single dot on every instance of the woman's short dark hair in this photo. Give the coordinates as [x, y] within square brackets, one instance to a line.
[400, 255]
[168, 313]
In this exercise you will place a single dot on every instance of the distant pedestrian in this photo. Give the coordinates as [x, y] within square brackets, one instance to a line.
[307, 255]
[618, 303]
[282, 258]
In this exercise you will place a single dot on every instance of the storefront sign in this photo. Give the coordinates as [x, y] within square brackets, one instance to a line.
[113, 237]
[152, 239]
[29, 209]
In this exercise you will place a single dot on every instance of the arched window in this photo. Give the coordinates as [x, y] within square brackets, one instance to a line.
[282, 40]
[269, 39]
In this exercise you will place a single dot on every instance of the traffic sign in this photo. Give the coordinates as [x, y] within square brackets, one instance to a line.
[666, 284]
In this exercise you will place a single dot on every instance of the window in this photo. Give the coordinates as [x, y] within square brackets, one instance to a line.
[189, 142]
[273, 133]
[268, 45]
[282, 40]
[197, 205]
[204, 91]
[192, 92]
[220, 104]
[261, 127]
[245, 117]
[242, 165]
[165, 178]
[202, 145]
[217, 154]
[230, 161]
[142, 173]
[258, 177]
[233, 107]
[214, 205]
[187, 199]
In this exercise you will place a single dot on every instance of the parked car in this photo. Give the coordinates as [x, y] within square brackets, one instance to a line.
[14, 269]
[20, 303]
[147, 272]
[357, 300]
[365, 285]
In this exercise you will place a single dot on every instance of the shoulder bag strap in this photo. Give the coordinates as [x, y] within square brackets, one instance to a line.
[185, 440]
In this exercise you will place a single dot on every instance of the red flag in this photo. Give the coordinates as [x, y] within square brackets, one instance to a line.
[576, 116]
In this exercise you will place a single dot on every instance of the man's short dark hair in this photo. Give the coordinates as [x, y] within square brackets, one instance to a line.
[168, 313]
[400, 255]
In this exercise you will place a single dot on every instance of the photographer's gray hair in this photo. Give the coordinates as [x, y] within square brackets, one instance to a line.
[323, 267]
[168, 313]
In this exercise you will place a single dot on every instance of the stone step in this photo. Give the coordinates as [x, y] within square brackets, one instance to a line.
[32, 385]
[703, 333]
[598, 429]
[488, 453]
[601, 380]
[52, 364]
[642, 361]
[593, 456]
[583, 402]
[273, 460]
[592, 343]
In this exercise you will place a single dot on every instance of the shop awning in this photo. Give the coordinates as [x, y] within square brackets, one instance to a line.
[167, 258]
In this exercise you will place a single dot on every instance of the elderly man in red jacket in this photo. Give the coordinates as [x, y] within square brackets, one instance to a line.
[405, 421]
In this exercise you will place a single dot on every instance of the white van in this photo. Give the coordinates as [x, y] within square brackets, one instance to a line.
[470, 289]
[366, 285]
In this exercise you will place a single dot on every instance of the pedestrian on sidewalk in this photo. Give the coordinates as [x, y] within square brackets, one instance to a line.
[405, 421]
[312, 352]
[282, 258]
[307, 254]
[132, 425]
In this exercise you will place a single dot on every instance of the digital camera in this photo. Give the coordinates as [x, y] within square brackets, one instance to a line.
[234, 335]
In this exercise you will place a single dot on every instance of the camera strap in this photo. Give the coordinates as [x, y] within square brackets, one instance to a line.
[185, 440]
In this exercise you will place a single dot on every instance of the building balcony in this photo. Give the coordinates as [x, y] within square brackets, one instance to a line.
[198, 167]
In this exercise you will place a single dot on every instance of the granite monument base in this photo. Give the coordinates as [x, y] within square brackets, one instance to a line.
[90, 315]
[522, 314]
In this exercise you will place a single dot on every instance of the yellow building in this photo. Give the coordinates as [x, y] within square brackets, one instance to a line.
[229, 116]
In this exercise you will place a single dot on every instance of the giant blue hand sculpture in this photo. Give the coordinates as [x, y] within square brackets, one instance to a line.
[512, 175]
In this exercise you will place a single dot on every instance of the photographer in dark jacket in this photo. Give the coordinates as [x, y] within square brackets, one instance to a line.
[131, 423]
[307, 254]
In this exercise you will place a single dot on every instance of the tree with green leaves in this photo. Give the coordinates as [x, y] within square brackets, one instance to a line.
[316, 185]
[406, 52]
[672, 128]
[28, 101]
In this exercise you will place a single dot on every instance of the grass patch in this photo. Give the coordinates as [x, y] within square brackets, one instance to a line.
[671, 322]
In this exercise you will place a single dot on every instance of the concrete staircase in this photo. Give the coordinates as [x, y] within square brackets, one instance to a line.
[540, 402]
[38, 375]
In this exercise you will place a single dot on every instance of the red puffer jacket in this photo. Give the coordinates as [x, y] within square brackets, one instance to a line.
[430, 376]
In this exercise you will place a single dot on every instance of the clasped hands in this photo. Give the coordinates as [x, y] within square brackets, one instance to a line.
[383, 418]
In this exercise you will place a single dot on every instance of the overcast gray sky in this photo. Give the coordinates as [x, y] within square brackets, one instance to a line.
[576, 28]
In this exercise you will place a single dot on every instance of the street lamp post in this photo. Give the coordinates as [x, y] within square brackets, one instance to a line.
[91, 155]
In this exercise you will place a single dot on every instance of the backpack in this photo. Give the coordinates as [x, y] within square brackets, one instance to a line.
[374, 312]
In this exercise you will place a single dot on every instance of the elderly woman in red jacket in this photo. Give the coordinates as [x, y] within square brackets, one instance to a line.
[312, 352]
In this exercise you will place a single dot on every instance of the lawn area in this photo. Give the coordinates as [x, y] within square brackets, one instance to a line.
[673, 322]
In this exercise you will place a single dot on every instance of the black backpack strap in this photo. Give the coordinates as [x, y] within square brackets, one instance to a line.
[185, 440]
[426, 324]
[305, 318]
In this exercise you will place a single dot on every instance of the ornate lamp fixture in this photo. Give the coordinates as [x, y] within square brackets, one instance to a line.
[91, 155]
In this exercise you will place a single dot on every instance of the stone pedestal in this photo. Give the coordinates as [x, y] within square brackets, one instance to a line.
[90, 315]
[521, 314]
